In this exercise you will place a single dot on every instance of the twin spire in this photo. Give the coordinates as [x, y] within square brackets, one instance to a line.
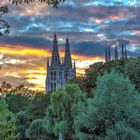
[55, 60]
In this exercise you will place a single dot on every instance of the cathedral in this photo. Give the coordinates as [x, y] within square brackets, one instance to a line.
[108, 56]
[59, 70]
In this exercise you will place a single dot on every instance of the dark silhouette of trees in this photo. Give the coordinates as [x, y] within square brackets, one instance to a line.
[54, 3]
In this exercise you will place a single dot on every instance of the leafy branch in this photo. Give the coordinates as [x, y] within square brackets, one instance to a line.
[4, 26]
[54, 3]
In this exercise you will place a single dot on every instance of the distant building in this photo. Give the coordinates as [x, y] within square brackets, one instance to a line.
[59, 72]
[116, 55]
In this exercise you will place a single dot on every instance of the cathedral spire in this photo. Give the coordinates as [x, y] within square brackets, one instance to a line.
[116, 52]
[48, 63]
[125, 52]
[122, 52]
[109, 53]
[55, 53]
[106, 54]
[67, 59]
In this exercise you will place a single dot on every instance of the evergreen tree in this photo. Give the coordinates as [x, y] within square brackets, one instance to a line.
[132, 70]
[121, 131]
[115, 99]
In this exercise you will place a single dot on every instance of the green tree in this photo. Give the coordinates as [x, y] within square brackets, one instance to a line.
[132, 70]
[37, 130]
[17, 102]
[7, 122]
[129, 67]
[38, 105]
[115, 99]
[121, 131]
[22, 124]
[63, 110]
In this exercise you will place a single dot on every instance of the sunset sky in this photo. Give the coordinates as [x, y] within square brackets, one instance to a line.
[89, 24]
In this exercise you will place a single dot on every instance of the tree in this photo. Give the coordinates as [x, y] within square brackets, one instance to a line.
[115, 100]
[7, 122]
[17, 102]
[37, 130]
[132, 70]
[125, 66]
[63, 110]
[121, 131]
[38, 106]
[22, 124]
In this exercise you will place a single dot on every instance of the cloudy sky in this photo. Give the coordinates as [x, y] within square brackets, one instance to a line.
[89, 24]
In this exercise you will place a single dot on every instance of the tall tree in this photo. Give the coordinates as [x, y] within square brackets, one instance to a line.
[115, 99]
[132, 70]
[63, 110]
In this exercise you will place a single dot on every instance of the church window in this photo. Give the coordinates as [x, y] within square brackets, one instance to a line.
[51, 75]
[54, 86]
[51, 86]
[54, 75]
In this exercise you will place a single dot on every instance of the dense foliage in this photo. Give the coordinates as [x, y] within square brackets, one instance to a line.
[129, 67]
[104, 104]
[115, 99]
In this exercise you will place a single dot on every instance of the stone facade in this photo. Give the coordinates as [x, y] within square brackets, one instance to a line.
[59, 72]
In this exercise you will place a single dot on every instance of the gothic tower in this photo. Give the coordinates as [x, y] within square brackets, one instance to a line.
[59, 73]
[116, 52]
[69, 70]
[125, 52]
[107, 54]
[55, 72]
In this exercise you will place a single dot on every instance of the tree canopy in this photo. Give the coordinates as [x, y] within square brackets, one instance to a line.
[115, 99]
